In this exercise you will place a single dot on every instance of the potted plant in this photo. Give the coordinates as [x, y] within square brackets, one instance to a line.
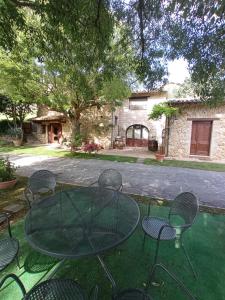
[16, 135]
[160, 155]
[7, 173]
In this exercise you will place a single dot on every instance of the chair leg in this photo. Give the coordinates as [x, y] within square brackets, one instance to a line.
[149, 208]
[152, 274]
[156, 252]
[188, 259]
[178, 282]
[143, 243]
[18, 262]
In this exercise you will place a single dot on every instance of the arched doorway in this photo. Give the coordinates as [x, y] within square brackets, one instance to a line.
[137, 136]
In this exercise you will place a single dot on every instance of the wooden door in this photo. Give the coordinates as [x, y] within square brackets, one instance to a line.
[50, 134]
[201, 137]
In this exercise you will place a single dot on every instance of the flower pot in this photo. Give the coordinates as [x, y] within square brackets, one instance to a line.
[17, 142]
[7, 184]
[160, 157]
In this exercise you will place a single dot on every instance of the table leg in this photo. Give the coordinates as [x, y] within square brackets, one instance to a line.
[108, 274]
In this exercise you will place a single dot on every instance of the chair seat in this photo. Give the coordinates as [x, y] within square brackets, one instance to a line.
[9, 248]
[56, 289]
[132, 294]
[152, 226]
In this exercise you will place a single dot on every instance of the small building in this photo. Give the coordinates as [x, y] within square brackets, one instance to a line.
[197, 132]
[129, 122]
[50, 126]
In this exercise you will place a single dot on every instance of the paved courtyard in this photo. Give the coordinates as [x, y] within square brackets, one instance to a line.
[163, 182]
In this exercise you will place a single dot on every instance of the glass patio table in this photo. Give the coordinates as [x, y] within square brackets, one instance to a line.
[81, 222]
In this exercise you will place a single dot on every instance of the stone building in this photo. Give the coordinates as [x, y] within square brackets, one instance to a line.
[129, 122]
[197, 132]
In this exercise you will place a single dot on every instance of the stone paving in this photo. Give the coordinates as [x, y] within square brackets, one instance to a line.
[163, 182]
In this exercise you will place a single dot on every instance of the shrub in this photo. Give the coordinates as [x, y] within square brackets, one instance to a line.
[91, 147]
[7, 170]
[16, 133]
[77, 140]
[4, 126]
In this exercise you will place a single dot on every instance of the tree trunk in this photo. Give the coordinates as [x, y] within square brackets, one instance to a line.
[75, 122]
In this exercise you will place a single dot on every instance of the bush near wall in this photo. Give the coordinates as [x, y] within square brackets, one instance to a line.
[4, 126]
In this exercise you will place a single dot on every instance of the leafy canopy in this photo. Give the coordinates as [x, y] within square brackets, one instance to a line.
[163, 109]
[157, 31]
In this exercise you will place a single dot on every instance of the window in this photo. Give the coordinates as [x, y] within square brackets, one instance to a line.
[137, 132]
[138, 103]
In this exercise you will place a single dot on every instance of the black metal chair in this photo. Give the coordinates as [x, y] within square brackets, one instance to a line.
[40, 182]
[181, 216]
[53, 289]
[110, 178]
[9, 246]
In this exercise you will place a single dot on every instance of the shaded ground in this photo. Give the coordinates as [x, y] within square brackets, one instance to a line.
[130, 263]
[153, 181]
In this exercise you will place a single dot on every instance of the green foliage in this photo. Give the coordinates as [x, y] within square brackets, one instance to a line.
[77, 140]
[186, 90]
[4, 126]
[87, 46]
[15, 133]
[7, 170]
[16, 110]
[163, 109]
[19, 75]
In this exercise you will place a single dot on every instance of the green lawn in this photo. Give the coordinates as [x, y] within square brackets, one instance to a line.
[209, 166]
[34, 150]
[130, 263]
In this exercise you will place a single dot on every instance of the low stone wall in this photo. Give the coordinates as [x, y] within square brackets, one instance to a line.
[181, 128]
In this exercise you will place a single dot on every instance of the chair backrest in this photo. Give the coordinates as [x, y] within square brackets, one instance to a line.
[41, 180]
[185, 206]
[110, 178]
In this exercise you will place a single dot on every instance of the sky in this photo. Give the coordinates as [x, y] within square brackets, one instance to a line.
[178, 71]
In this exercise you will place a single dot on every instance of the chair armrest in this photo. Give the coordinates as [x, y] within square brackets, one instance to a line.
[18, 281]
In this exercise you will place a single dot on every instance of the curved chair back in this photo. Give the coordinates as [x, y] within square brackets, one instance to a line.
[42, 180]
[110, 178]
[185, 206]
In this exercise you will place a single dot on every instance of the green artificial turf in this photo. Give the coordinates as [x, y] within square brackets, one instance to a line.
[130, 263]
[34, 150]
[209, 166]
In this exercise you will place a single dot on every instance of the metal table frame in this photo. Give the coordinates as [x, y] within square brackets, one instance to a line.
[98, 253]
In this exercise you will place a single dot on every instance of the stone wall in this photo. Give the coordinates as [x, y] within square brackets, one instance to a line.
[128, 117]
[180, 131]
[97, 126]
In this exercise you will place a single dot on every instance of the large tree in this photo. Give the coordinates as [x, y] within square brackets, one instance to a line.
[72, 89]
[157, 31]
